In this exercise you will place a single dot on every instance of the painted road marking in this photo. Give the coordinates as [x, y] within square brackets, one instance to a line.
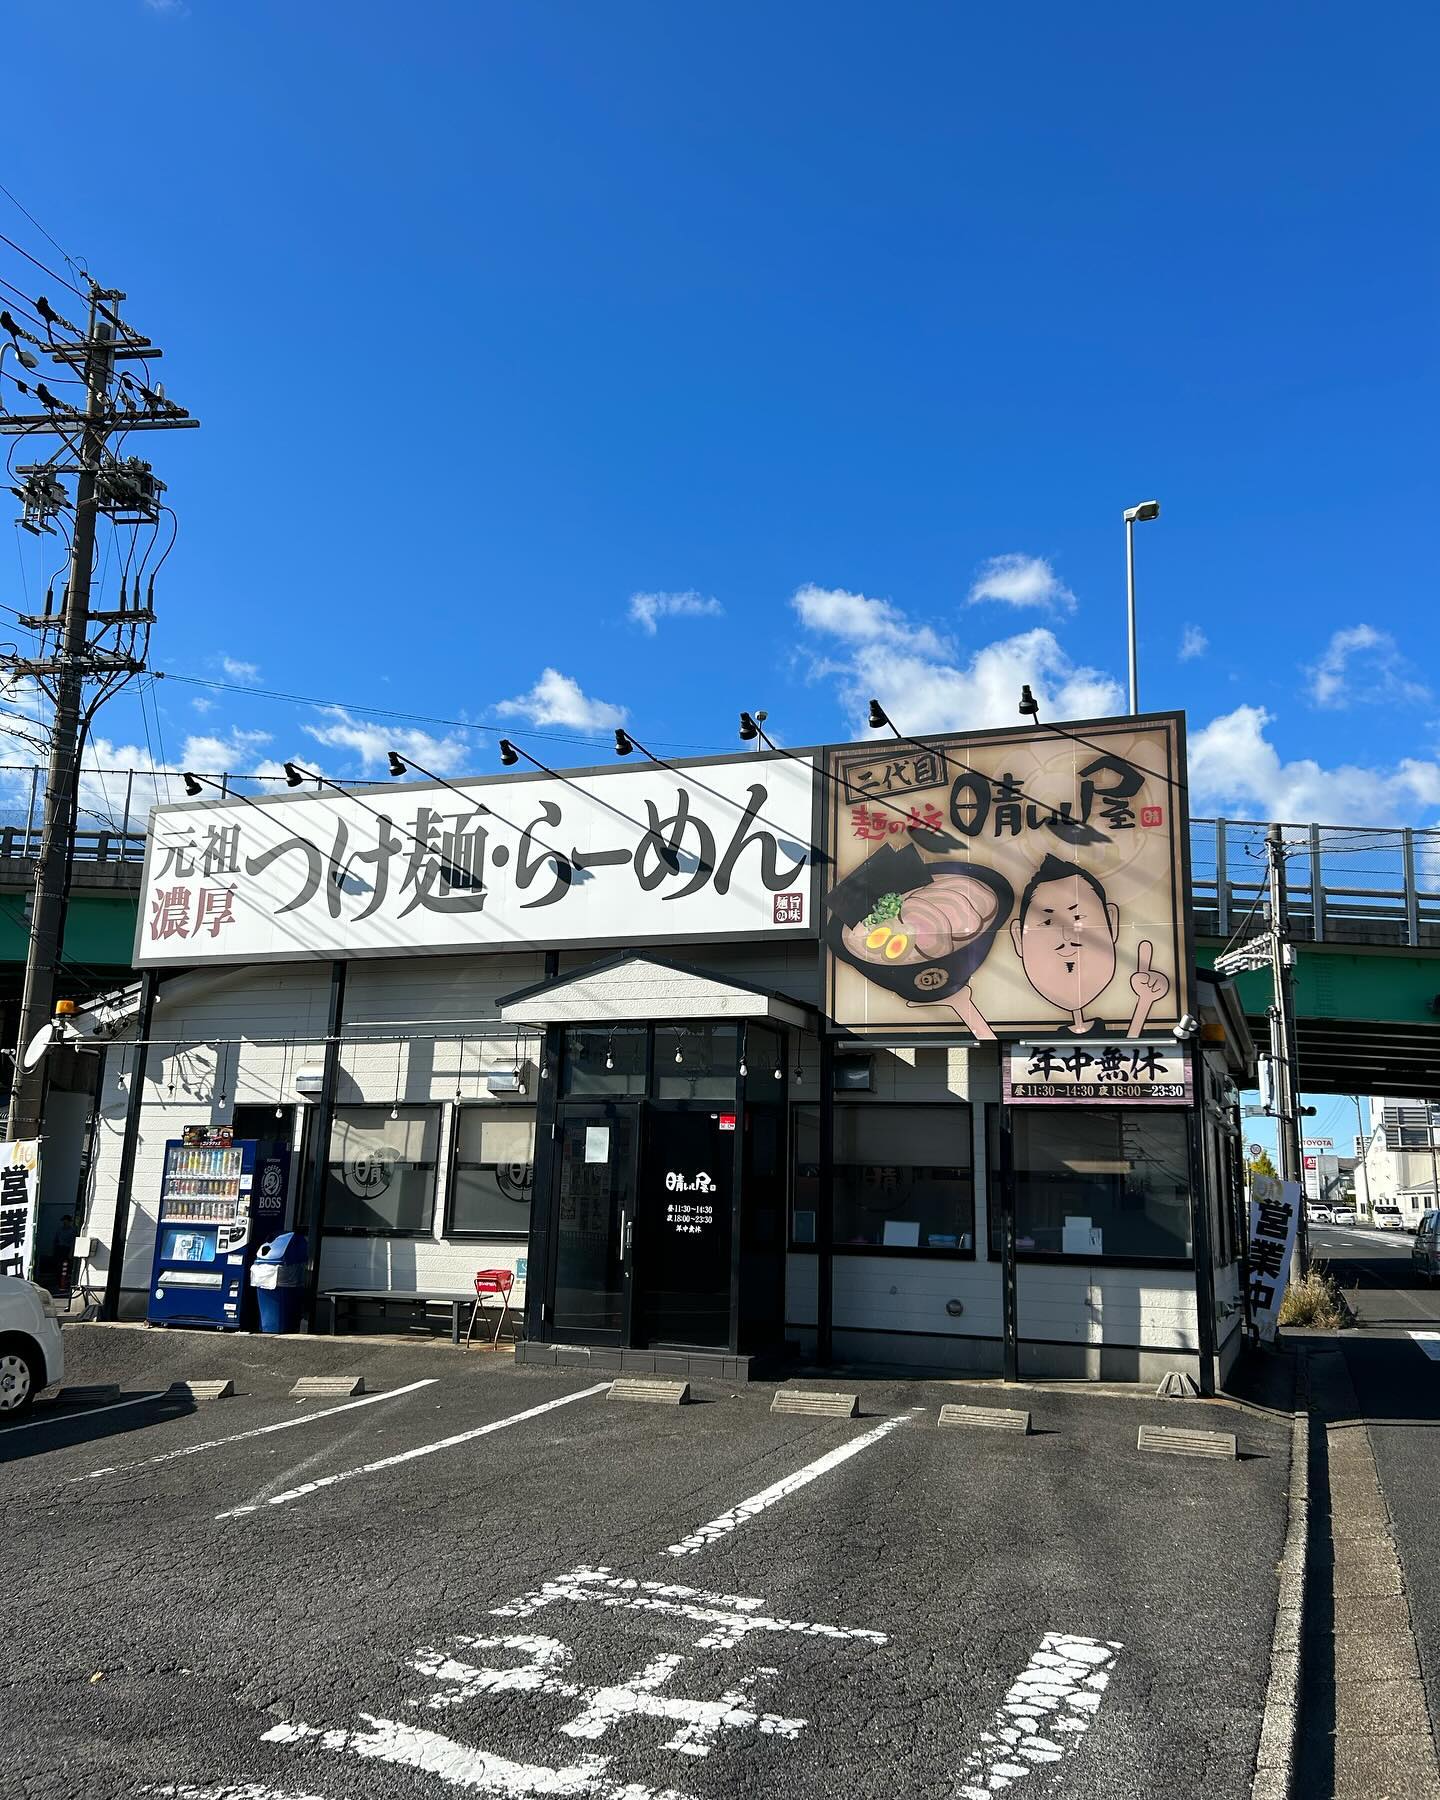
[1429, 1342]
[757, 1503]
[471, 1668]
[393, 1462]
[1058, 1693]
[731, 1617]
[227, 1790]
[240, 1437]
[64, 1418]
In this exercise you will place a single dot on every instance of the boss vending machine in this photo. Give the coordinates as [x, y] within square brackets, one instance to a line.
[219, 1201]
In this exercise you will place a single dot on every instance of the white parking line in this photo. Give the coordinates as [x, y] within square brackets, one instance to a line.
[63, 1416]
[227, 1790]
[788, 1484]
[404, 1456]
[239, 1437]
[1429, 1342]
[1059, 1692]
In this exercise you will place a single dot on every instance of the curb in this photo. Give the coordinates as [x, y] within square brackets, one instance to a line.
[1280, 1730]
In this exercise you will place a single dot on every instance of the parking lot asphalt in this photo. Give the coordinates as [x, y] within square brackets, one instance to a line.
[498, 1580]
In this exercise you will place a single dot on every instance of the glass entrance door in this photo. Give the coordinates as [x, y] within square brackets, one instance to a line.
[683, 1227]
[595, 1216]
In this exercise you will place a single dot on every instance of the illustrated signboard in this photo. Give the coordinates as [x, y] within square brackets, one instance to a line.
[1028, 883]
[641, 854]
[1126, 1073]
[19, 1205]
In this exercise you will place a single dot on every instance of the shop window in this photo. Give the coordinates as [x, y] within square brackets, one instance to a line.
[1112, 1184]
[382, 1170]
[604, 1063]
[696, 1062]
[903, 1179]
[493, 1174]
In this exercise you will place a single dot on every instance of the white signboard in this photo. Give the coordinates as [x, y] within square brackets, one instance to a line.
[1274, 1210]
[635, 855]
[19, 1205]
[1319, 1143]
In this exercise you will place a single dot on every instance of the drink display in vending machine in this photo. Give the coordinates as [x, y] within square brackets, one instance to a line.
[219, 1200]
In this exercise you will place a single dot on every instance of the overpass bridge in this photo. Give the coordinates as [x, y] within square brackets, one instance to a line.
[1364, 914]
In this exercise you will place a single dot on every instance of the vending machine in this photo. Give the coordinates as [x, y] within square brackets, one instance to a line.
[219, 1200]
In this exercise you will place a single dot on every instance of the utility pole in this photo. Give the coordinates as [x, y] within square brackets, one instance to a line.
[127, 493]
[1282, 1034]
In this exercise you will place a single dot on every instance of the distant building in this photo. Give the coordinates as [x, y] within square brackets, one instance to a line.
[1401, 1157]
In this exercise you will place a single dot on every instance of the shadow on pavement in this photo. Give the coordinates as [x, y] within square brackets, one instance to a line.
[50, 1427]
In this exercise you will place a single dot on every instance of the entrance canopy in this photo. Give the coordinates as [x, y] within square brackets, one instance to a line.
[634, 989]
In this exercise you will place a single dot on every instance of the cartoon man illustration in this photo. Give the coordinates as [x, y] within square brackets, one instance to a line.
[1065, 934]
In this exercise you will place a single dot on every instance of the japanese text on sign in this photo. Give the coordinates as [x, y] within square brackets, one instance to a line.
[599, 858]
[1126, 1073]
[1274, 1209]
[19, 1205]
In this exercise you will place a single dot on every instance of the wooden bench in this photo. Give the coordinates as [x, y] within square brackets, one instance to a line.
[347, 1301]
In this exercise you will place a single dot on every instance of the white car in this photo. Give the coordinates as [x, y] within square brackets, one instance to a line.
[31, 1354]
[1342, 1215]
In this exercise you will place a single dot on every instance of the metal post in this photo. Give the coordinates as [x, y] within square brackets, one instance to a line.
[1363, 1138]
[1130, 596]
[1222, 880]
[125, 823]
[825, 1212]
[324, 1116]
[1282, 1033]
[62, 780]
[1412, 896]
[1010, 1299]
[1317, 886]
[30, 814]
[115, 1269]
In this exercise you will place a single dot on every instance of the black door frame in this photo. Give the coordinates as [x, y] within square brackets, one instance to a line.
[605, 1109]
[541, 1325]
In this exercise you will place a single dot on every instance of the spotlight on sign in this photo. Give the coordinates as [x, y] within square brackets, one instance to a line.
[879, 718]
[624, 743]
[509, 755]
[1029, 705]
[397, 764]
[749, 730]
[192, 787]
[293, 777]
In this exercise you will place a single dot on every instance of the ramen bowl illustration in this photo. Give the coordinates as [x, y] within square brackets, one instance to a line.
[918, 929]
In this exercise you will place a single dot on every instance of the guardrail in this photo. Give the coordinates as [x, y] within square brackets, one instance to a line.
[1348, 884]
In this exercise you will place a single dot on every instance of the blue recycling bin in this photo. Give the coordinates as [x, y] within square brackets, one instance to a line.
[278, 1278]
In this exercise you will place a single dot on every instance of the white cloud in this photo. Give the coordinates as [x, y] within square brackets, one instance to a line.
[240, 671]
[202, 705]
[1021, 581]
[646, 610]
[1236, 771]
[927, 695]
[860, 620]
[1194, 643]
[557, 699]
[1362, 663]
[373, 743]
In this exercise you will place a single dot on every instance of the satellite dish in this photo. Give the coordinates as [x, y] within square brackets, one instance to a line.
[38, 1045]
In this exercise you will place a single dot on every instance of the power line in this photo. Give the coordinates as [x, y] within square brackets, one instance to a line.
[364, 708]
[21, 207]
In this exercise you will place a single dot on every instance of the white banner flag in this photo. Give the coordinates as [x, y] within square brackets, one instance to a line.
[1274, 1213]
[19, 1206]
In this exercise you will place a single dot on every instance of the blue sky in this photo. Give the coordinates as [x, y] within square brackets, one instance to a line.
[841, 335]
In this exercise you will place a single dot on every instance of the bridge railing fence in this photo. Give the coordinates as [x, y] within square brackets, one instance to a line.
[1345, 883]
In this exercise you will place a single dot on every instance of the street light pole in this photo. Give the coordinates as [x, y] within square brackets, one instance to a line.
[1147, 509]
